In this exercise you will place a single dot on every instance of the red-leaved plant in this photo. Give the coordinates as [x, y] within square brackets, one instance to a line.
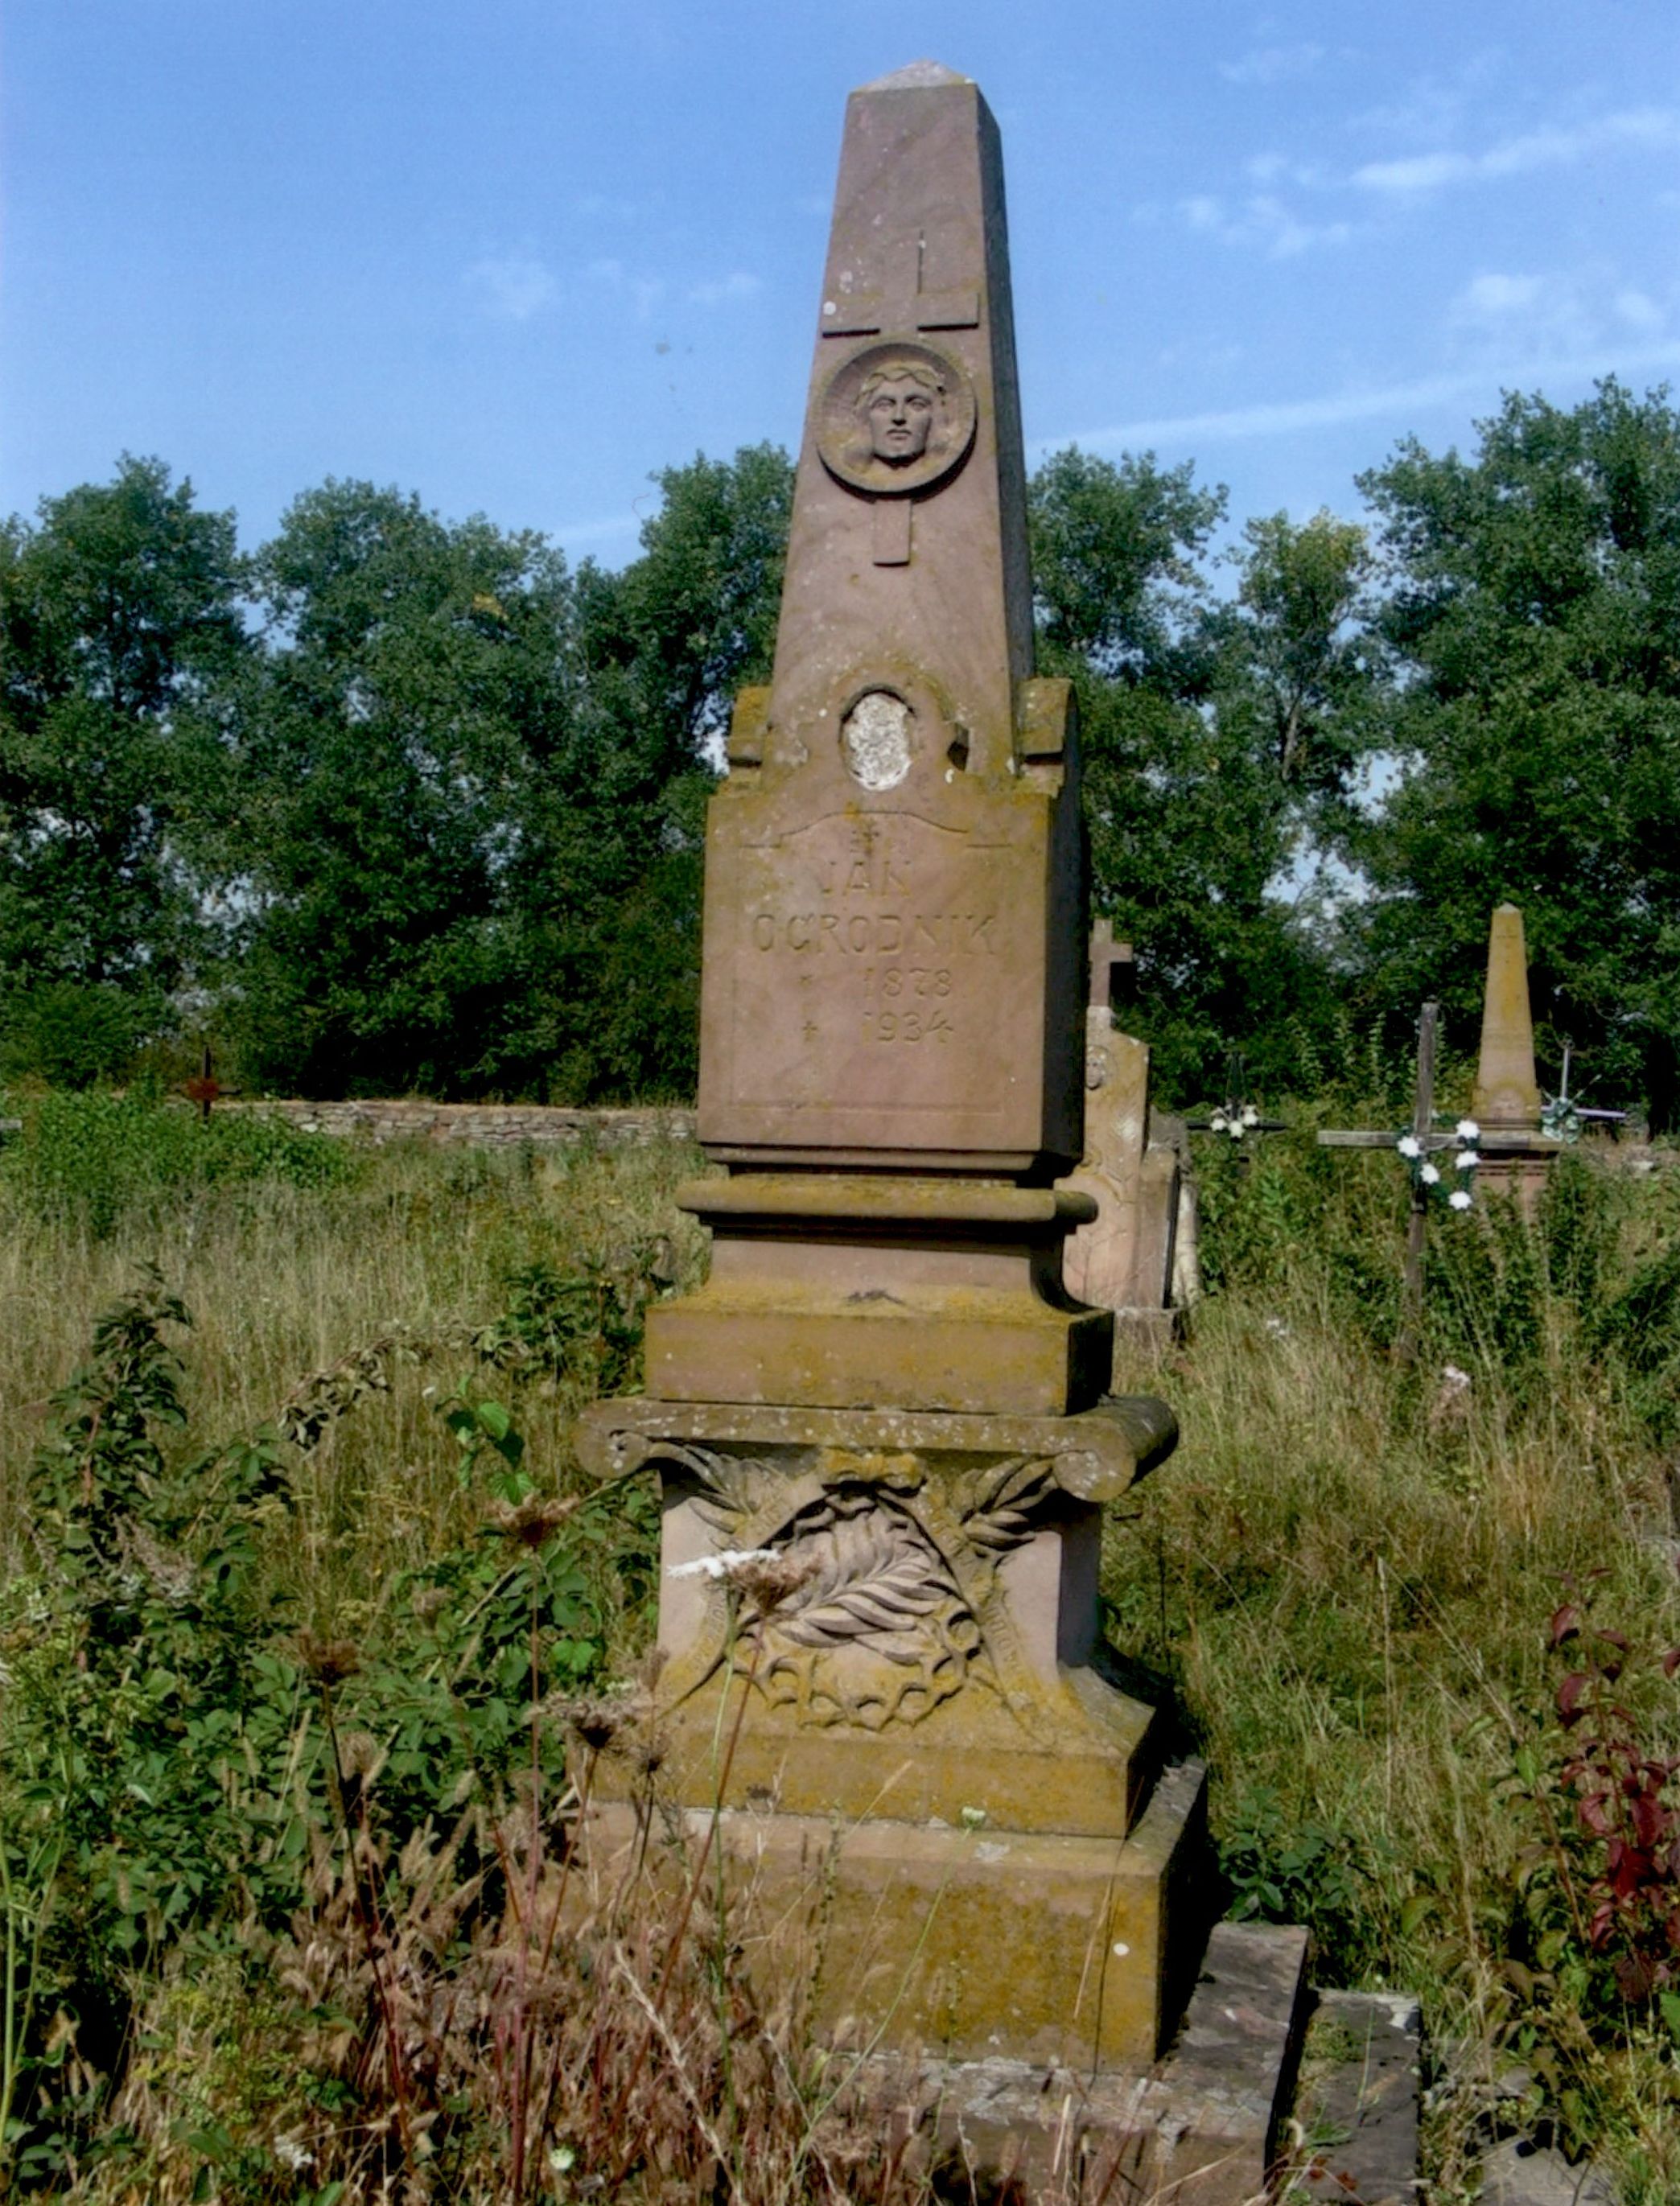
[1623, 1887]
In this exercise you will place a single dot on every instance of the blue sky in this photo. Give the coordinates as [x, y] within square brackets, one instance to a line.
[516, 254]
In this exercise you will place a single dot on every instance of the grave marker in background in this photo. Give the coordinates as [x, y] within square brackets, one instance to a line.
[1516, 1151]
[1125, 1260]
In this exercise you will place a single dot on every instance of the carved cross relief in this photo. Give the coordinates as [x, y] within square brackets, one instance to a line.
[898, 302]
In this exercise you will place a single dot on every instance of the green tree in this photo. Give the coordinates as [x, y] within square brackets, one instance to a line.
[413, 671]
[1532, 601]
[119, 634]
[1192, 806]
[609, 870]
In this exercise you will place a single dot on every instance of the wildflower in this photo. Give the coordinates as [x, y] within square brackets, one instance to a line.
[1236, 1130]
[767, 1585]
[1466, 1161]
[1277, 1328]
[1218, 1122]
[1460, 1198]
[534, 1521]
[1251, 1117]
[1408, 1146]
[1453, 1380]
[971, 1818]
[561, 2158]
[1468, 1130]
[1430, 1175]
[291, 2154]
[328, 1661]
[597, 1722]
[727, 1563]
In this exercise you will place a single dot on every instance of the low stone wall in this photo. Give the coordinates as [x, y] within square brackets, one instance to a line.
[484, 1125]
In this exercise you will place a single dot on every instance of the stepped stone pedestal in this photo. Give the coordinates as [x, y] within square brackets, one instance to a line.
[908, 1723]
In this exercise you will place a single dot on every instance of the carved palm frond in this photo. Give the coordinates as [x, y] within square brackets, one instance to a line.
[874, 1574]
[995, 1503]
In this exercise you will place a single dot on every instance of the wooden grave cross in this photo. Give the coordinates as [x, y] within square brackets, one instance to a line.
[1418, 1144]
[1236, 1117]
[206, 1087]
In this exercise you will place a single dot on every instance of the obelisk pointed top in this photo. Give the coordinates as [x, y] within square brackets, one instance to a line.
[916, 76]
[1506, 1091]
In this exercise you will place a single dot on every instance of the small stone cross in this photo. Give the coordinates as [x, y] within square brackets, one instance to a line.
[1107, 955]
[899, 303]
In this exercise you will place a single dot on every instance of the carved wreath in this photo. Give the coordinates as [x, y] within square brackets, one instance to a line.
[900, 1608]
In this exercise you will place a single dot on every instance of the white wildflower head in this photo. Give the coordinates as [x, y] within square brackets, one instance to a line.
[1277, 1328]
[727, 1563]
[1468, 1130]
[1466, 1161]
[293, 2154]
[1236, 1130]
[1429, 1175]
[1408, 1146]
[1218, 1122]
[1453, 1380]
[1460, 1198]
[1251, 1117]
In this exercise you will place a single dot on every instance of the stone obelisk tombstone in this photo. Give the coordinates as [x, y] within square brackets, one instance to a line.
[884, 1379]
[1506, 1102]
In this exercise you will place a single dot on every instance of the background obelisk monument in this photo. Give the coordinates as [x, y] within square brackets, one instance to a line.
[1506, 1102]
[883, 1379]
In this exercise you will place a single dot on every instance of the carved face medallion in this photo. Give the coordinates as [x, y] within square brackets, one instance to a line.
[894, 419]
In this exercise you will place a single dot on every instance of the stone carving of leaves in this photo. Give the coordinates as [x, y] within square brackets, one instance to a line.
[873, 1575]
[731, 1486]
[996, 1501]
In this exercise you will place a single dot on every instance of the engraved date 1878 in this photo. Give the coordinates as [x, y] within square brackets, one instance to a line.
[894, 1015]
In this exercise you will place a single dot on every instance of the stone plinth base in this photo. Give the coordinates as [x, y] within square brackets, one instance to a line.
[852, 1291]
[1066, 1951]
[884, 1671]
[1199, 2128]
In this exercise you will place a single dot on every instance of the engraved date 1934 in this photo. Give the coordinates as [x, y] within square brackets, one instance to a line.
[893, 1012]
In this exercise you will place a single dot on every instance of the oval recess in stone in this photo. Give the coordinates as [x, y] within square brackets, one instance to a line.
[875, 739]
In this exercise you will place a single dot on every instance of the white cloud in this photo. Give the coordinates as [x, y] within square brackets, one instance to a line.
[644, 292]
[1262, 222]
[1493, 298]
[737, 285]
[1639, 312]
[1272, 64]
[1576, 310]
[1479, 386]
[513, 285]
[1656, 128]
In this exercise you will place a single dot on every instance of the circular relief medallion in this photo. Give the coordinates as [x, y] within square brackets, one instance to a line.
[895, 419]
[875, 739]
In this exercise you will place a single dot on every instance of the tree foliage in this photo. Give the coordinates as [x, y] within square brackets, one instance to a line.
[119, 635]
[397, 802]
[1532, 597]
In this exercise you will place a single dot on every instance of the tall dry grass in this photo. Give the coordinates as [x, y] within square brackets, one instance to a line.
[1339, 1585]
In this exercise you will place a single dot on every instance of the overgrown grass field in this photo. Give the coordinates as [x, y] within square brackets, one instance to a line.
[275, 1617]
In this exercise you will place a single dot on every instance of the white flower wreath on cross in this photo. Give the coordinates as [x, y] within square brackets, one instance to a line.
[1420, 1152]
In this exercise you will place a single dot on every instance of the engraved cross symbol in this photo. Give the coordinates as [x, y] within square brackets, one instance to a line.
[900, 303]
[1106, 954]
